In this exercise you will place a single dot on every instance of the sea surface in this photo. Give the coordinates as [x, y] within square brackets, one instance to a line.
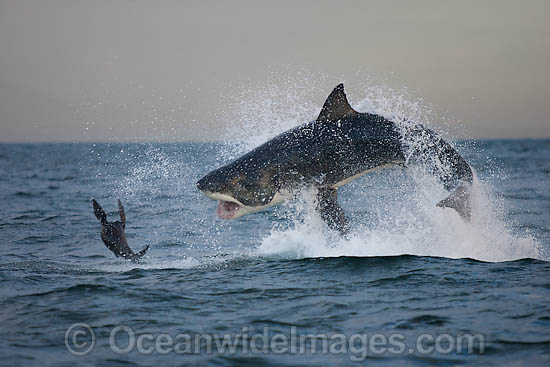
[407, 288]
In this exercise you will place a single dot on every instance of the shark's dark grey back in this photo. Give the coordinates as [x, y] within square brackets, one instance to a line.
[326, 151]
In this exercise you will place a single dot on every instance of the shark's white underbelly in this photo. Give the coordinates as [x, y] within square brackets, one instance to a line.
[349, 179]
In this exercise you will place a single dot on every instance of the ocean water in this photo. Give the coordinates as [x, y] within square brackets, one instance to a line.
[406, 288]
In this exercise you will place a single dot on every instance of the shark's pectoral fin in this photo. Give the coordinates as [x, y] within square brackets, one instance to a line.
[459, 200]
[330, 210]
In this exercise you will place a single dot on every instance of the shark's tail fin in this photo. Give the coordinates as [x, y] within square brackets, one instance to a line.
[459, 200]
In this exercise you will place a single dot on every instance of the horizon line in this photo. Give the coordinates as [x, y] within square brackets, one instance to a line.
[207, 141]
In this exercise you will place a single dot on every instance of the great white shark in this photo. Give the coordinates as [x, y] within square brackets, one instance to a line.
[339, 146]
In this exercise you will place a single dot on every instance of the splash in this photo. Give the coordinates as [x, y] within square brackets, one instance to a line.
[258, 113]
[150, 263]
[150, 173]
[400, 220]
[411, 224]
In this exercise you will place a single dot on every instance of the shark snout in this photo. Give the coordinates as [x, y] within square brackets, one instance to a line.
[210, 183]
[202, 185]
[205, 184]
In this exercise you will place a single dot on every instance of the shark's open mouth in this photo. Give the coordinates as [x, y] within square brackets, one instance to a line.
[227, 209]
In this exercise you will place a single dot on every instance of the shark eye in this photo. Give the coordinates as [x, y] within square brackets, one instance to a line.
[240, 185]
[243, 184]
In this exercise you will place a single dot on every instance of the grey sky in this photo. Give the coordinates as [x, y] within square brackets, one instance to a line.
[132, 70]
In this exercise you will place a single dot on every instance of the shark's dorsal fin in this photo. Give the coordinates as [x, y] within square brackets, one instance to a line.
[336, 106]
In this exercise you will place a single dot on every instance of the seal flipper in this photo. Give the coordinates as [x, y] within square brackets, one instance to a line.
[99, 212]
[459, 200]
[122, 214]
[330, 210]
[141, 253]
